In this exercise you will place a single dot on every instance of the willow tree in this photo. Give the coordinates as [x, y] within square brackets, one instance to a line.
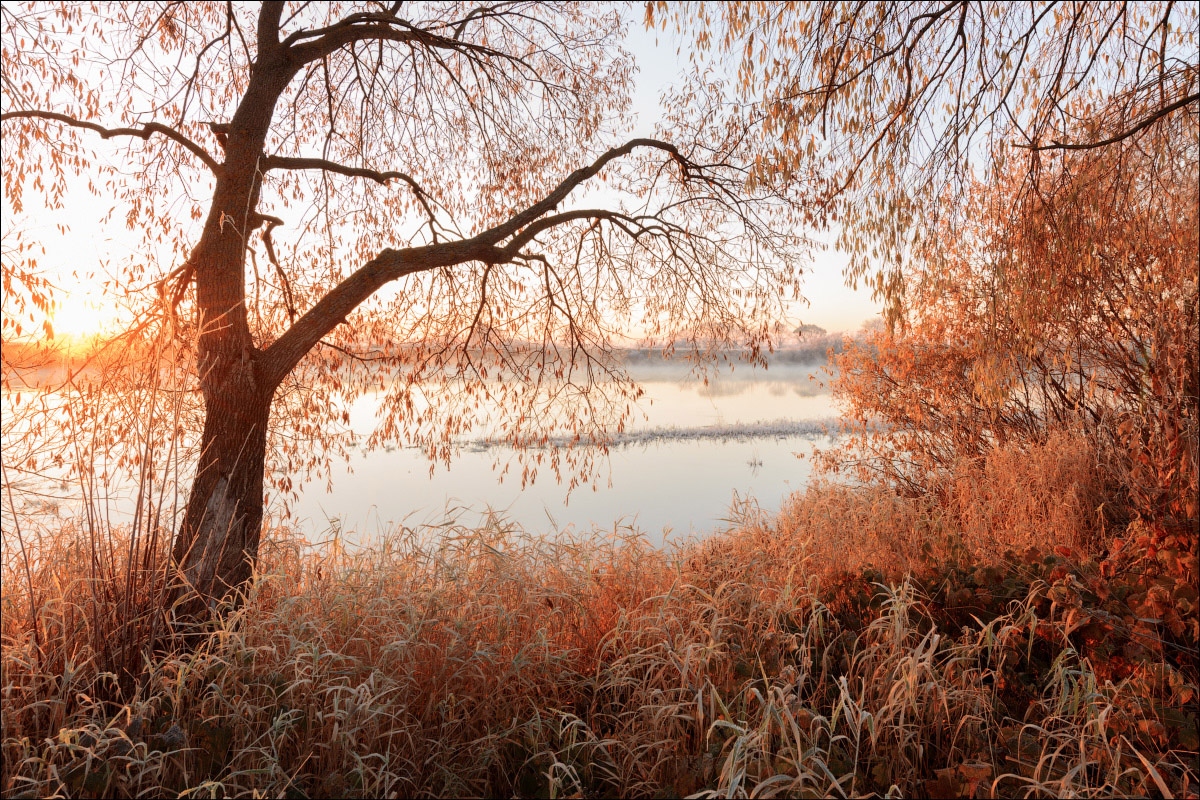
[1017, 182]
[289, 161]
[889, 111]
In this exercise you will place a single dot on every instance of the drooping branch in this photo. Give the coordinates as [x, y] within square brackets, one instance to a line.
[307, 46]
[489, 247]
[1123, 135]
[380, 177]
[144, 132]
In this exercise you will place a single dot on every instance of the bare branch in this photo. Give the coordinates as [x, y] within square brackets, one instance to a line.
[296, 162]
[390, 265]
[351, 354]
[144, 132]
[1158, 114]
[559, 193]
[304, 47]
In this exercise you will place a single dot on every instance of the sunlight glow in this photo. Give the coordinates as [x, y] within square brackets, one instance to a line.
[78, 317]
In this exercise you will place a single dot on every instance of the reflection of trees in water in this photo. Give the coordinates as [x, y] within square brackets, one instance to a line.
[720, 388]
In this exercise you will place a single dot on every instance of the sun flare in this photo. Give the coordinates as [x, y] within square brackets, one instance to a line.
[78, 317]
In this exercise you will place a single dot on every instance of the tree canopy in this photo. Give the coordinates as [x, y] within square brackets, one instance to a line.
[888, 112]
[283, 163]
[1018, 182]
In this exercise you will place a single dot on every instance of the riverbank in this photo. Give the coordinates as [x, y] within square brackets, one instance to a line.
[978, 644]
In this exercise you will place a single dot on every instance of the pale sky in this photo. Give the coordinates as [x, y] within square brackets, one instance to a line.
[832, 305]
[75, 261]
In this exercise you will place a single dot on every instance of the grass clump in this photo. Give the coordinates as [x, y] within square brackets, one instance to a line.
[781, 658]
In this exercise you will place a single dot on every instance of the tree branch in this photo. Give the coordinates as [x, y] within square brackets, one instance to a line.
[268, 27]
[331, 310]
[1145, 123]
[304, 47]
[350, 22]
[512, 248]
[297, 162]
[338, 36]
[497, 234]
[352, 355]
[144, 132]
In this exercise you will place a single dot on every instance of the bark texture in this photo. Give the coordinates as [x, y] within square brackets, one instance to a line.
[217, 544]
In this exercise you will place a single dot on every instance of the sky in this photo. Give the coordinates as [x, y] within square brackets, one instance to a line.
[75, 260]
[832, 305]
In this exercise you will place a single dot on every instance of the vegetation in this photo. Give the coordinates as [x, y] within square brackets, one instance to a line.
[884, 114]
[446, 152]
[991, 591]
[774, 659]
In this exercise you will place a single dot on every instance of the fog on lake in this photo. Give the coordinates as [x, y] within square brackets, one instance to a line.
[695, 451]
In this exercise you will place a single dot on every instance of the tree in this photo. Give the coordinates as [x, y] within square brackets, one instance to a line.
[449, 150]
[1021, 181]
[1017, 180]
[887, 111]
[1079, 313]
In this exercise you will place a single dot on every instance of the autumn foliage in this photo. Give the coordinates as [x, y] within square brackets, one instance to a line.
[773, 659]
[1056, 334]
[990, 592]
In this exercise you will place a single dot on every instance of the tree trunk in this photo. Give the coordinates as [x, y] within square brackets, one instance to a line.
[217, 544]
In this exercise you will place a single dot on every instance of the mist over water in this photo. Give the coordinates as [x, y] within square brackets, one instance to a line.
[699, 451]
[694, 452]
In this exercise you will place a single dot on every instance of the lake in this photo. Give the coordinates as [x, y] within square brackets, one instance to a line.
[694, 453]
[698, 450]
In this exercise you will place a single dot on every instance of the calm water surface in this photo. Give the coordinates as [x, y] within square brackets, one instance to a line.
[698, 451]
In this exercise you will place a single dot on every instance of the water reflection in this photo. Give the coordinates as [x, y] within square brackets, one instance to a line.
[697, 449]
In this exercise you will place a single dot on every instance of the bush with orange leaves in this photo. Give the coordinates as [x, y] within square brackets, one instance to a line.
[1060, 322]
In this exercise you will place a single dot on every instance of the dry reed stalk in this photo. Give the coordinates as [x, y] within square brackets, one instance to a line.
[451, 661]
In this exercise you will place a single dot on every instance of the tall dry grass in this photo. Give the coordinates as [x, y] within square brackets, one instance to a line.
[1027, 494]
[762, 662]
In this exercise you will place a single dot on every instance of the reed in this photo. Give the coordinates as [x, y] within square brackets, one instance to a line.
[859, 644]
